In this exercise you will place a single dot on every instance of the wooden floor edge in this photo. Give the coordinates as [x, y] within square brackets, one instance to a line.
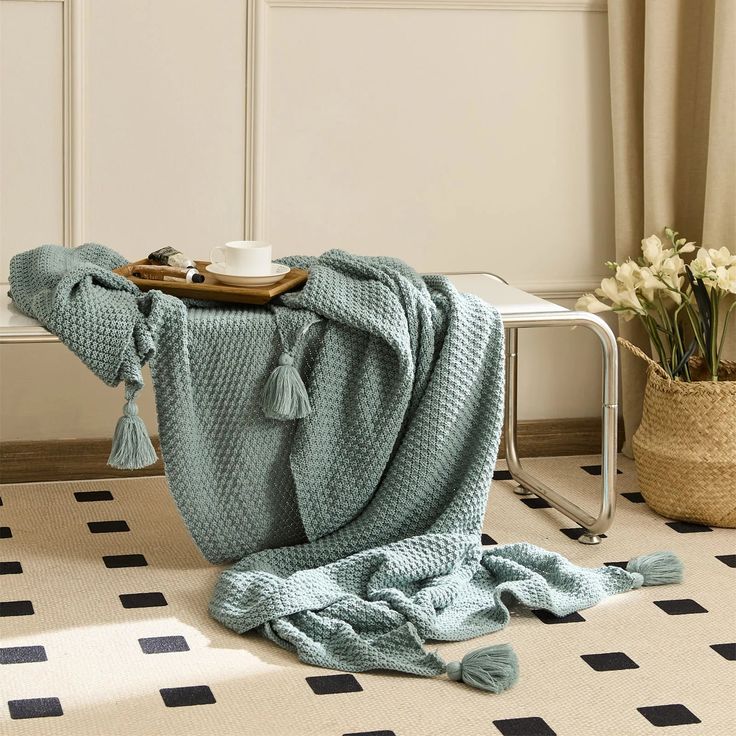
[85, 459]
[56, 460]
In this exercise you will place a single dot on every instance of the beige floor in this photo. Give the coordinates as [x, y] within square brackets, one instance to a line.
[105, 683]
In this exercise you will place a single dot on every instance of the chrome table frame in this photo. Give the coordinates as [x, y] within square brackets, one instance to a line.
[529, 485]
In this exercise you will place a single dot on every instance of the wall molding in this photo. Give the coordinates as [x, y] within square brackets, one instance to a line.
[590, 6]
[76, 102]
[254, 43]
[256, 74]
[59, 460]
[66, 116]
[250, 108]
[73, 119]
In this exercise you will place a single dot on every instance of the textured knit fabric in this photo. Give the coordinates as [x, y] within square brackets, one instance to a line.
[357, 528]
[96, 313]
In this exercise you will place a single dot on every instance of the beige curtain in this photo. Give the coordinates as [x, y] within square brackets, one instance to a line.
[673, 96]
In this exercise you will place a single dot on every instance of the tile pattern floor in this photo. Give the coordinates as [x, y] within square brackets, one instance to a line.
[104, 630]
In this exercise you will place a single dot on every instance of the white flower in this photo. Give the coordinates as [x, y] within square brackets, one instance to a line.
[721, 257]
[687, 248]
[726, 278]
[652, 249]
[671, 272]
[665, 274]
[622, 298]
[715, 268]
[629, 300]
[608, 289]
[702, 266]
[708, 260]
[649, 283]
[589, 303]
[628, 274]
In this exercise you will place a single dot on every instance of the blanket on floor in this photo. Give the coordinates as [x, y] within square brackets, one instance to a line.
[354, 507]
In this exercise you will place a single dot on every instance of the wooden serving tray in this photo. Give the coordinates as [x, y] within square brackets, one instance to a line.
[214, 290]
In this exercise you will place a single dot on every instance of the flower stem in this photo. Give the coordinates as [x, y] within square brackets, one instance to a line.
[725, 330]
[714, 299]
[680, 344]
[651, 327]
[696, 330]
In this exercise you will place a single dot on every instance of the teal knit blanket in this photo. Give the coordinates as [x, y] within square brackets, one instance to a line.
[355, 529]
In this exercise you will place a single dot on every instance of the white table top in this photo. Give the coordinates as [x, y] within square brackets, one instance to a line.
[509, 300]
[16, 327]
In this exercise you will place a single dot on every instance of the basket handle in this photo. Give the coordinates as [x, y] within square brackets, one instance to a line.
[639, 353]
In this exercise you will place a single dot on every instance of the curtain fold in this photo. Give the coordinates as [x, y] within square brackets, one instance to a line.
[673, 104]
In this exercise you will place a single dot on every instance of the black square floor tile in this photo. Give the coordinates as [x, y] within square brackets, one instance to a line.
[333, 684]
[22, 655]
[576, 532]
[610, 661]
[524, 727]
[5, 532]
[727, 651]
[11, 568]
[729, 560]
[622, 564]
[176, 697]
[163, 644]
[595, 469]
[487, 540]
[536, 503]
[112, 561]
[370, 733]
[635, 497]
[685, 527]
[680, 606]
[35, 708]
[84, 496]
[103, 527]
[16, 608]
[502, 475]
[668, 715]
[546, 617]
[142, 600]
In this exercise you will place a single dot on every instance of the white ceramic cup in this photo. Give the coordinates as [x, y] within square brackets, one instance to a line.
[244, 257]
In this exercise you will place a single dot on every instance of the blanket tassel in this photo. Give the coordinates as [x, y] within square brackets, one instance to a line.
[494, 668]
[658, 568]
[284, 395]
[131, 445]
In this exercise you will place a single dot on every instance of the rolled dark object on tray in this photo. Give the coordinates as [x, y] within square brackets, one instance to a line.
[189, 275]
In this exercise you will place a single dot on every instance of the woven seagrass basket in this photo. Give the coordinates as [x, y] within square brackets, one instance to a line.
[685, 446]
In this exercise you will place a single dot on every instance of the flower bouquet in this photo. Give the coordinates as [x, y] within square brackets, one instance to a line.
[685, 446]
[679, 304]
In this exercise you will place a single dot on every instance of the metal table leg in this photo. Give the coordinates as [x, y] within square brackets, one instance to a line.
[594, 525]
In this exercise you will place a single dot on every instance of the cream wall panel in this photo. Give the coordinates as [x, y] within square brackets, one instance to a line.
[31, 127]
[560, 371]
[47, 393]
[164, 124]
[456, 139]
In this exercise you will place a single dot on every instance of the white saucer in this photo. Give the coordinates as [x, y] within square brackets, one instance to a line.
[219, 271]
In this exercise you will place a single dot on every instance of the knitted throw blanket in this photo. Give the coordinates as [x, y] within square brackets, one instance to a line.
[355, 528]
